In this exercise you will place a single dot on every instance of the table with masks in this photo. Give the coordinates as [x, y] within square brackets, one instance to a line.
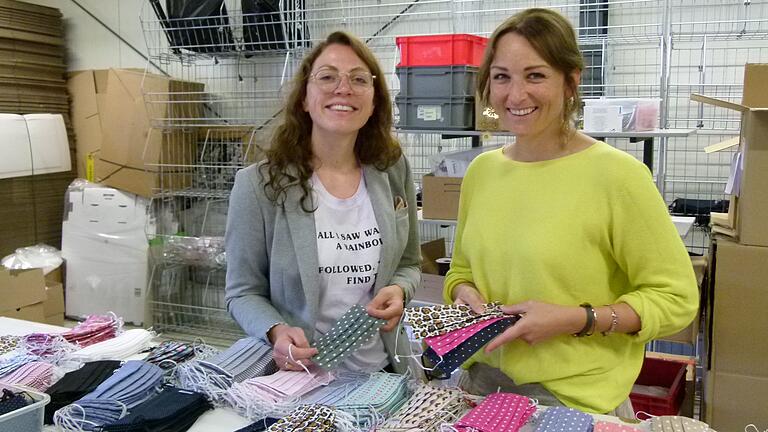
[126, 380]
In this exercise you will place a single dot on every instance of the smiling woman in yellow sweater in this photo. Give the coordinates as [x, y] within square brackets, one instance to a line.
[565, 230]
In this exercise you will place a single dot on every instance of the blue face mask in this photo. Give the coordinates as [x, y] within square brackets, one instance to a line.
[437, 367]
[561, 419]
[246, 358]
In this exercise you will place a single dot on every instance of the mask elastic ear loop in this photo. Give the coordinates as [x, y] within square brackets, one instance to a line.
[751, 428]
[650, 416]
[400, 327]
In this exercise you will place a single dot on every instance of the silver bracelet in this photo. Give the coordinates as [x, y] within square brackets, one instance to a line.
[614, 321]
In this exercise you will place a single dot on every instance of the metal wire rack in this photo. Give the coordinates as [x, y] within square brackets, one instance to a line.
[244, 60]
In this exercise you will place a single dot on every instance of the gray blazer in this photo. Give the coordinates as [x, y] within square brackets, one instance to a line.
[272, 260]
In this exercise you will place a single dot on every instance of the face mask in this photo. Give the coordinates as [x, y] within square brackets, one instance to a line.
[336, 391]
[11, 401]
[441, 367]
[246, 358]
[96, 328]
[348, 334]
[172, 410]
[677, 424]
[37, 375]
[561, 419]
[308, 417]
[444, 343]
[8, 343]
[426, 409]
[603, 426]
[498, 412]
[430, 321]
[76, 384]
[170, 353]
[129, 343]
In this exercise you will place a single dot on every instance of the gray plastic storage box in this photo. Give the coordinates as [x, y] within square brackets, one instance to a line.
[456, 113]
[437, 81]
[29, 418]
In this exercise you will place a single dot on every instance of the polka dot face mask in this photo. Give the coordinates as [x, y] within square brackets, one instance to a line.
[677, 424]
[499, 412]
[603, 426]
[441, 366]
[561, 419]
[348, 334]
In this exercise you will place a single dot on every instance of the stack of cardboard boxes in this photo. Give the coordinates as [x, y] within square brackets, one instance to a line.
[28, 295]
[32, 80]
[736, 384]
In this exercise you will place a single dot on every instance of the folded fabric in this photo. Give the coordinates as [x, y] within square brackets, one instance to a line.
[677, 424]
[76, 384]
[170, 353]
[37, 375]
[348, 334]
[132, 384]
[8, 343]
[15, 360]
[11, 401]
[259, 426]
[95, 328]
[426, 409]
[448, 341]
[379, 396]
[561, 419]
[441, 367]
[430, 321]
[314, 418]
[128, 343]
[172, 410]
[335, 391]
[247, 358]
[604, 426]
[47, 346]
[498, 412]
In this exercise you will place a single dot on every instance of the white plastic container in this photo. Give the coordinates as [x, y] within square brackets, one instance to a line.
[29, 418]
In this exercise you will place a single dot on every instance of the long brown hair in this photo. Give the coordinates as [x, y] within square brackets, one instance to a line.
[289, 160]
[554, 39]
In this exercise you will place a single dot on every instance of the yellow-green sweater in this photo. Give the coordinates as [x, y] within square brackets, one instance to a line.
[588, 227]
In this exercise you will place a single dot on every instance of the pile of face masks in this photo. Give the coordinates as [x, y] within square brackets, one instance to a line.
[96, 328]
[315, 418]
[350, 332]
[52, 348]
[454, 333]
[333, 393]
[128, 343]
[173, 410]
[36, 375]
[498, 412]
[603, 426]
[427, 409]
[170, 353]
[677, 424]
[76, 384]
[11, 401]
[8, 343]
[274, 395]
[381, 395]
[132, 384]
[213, 377]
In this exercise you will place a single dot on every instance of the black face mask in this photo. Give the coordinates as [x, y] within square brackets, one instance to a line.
[442, 368]
[172, 410]
[11, 401]
[77, 384]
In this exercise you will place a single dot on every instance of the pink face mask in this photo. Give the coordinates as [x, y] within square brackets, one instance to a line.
[446, 342]
[603, 426]
[499, 412]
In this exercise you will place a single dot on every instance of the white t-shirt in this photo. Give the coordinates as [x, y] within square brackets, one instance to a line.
[349, 250]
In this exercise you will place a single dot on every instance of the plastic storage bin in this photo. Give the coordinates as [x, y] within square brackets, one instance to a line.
[457, 113]
[441, 50]
[662, 373]
[29, 418]
[437, 81]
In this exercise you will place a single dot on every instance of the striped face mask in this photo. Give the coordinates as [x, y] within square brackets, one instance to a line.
[348, 334]
[499, 412]
[37, 375]
[561, 419]
[431, 321]
[442, 366]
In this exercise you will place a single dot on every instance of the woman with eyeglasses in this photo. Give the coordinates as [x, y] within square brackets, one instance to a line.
[567, 231]
[328, 220]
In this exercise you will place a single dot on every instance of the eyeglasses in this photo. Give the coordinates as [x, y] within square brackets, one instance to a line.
[329, 80]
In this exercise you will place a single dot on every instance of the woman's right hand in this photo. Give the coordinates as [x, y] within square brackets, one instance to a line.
[467, 294]
[290, 347]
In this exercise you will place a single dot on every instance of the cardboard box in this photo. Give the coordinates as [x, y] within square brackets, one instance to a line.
[22, 293]
[734, 401]
[116, 144]
[440, 197]
[54, 303]
[691, 333]
[749, 213]
[57, 319]
[431, 283]
[739, 303]
[34, 312]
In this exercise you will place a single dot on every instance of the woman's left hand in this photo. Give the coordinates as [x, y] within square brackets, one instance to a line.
[387, 305]
[540, 321]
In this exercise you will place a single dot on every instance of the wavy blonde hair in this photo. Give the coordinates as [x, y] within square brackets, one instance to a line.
[289, 160]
